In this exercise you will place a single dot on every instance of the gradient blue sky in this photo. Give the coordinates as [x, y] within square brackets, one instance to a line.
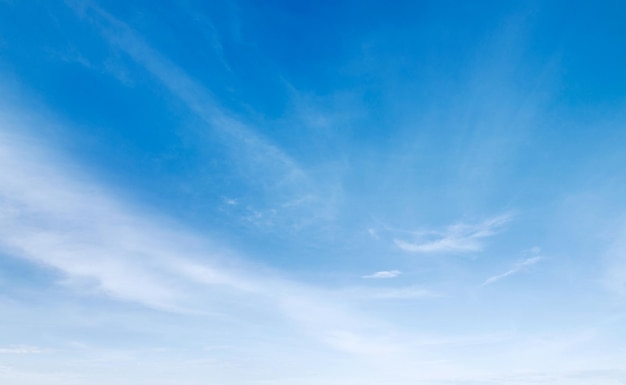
[333, 192]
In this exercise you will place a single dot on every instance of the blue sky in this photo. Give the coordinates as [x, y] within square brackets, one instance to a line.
[334, 192]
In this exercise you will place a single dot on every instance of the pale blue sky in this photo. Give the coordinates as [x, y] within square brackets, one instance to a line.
[335, 192]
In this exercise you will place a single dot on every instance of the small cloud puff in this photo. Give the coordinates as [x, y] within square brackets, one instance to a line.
[383, 274]
[231, 201]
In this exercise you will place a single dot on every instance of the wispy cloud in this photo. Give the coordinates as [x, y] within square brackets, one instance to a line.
[21, 349]
[257, 149]
[104, 248]
[383, 274]
[518, 267]
[409, 292]
[458, 238]
[366, 293]
[261, 163]
[73, 226]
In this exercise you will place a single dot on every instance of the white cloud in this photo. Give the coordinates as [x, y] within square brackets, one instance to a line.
[55, 217]
[456, 238]
[231, 201]
[514, 270]
[104, 248]
[51, 220]
[383, 274]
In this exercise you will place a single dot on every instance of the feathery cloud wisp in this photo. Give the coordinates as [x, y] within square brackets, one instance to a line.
[101, 247]
[514, 270]
[456, 238]
[253, 149]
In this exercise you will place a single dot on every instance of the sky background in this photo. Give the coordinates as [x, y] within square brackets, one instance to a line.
[332, 192]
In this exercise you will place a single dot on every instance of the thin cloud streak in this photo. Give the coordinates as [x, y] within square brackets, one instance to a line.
[51, 219]
[514, 270]
[261, 164]
[22, 349]
[459, 238]
[258, 150]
